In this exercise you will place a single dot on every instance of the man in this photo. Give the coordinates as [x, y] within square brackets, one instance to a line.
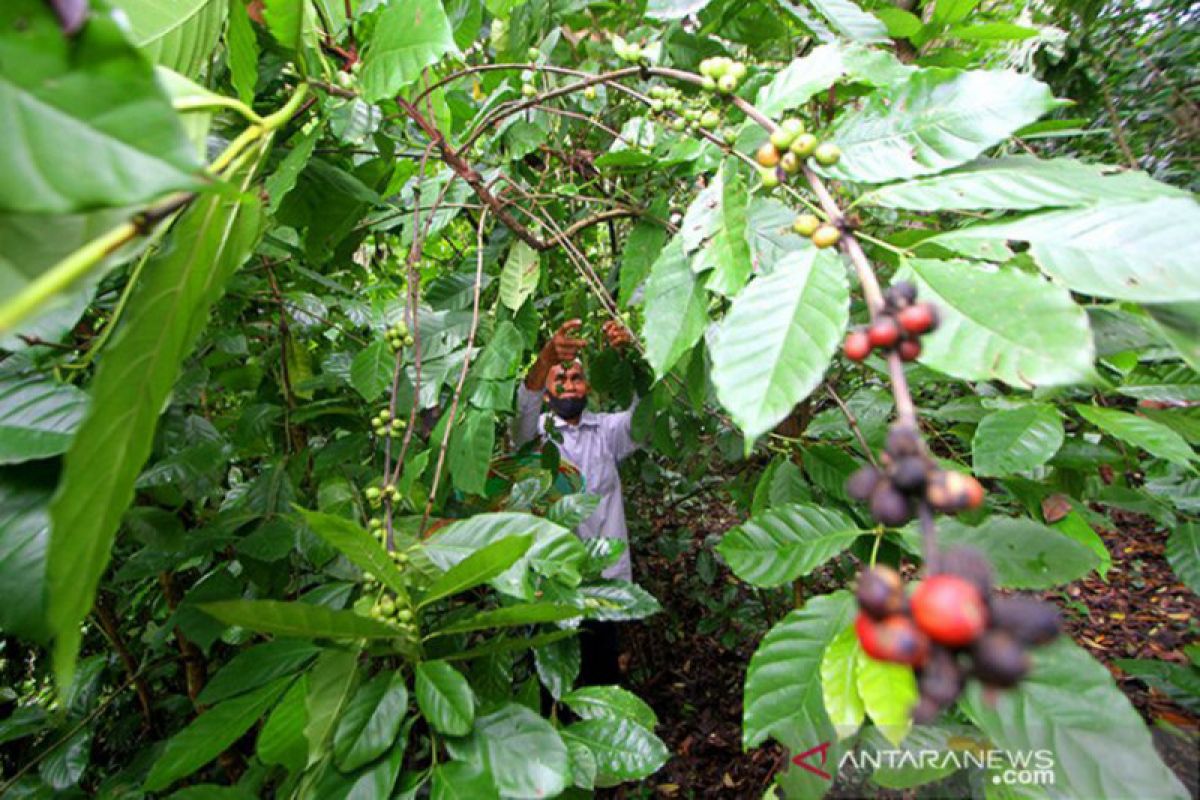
[596, 444]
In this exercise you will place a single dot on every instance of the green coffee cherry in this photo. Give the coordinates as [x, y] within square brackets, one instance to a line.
[827, 154]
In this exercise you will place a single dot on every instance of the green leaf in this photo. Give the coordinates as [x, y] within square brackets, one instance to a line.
[949, 12]
[675, 308]
[642, 248]
[664, 10]
[1180, 682]
[283, 179]
[374, 780]
[611, 702]
[525, 755]
[281, 740]
[24, 534]
[164, 317]
[1019, 183]
[509, 616]
[1179, 323]
[291, 23]
[801, 80]
[1142, 251]
[38, 416]
[991, 32]
[851, 21]
[458, 780]
[558, 665]
[572, 509]
[900, 24]
[372, 370]
[839, 685]
[479, 567]
[357, 545]
[618, 600]
[409, 36]
[371, 721]
[1016, 440]
[520, 275]
[297, 619]
[1070, 707]
[470, 453]
[445, 698]
[937, 119]
[257, 665]
[65, 765]
[210, 734]
[1004, 324]
[888, 692]
[624, 750]
[776, 341]
[783, 681]
[331, 684]
[87, 125]
[180, 35]
[242, 44]
[728, 253]
[786, 542]
[1155, 438]
[1183, 553]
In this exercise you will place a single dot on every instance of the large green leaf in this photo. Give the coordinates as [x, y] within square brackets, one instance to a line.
[520, 275]
[371, 721]
[1180, 682]
[525, 755]
[281, 740]
[888, 692]
[850, 21]
[1019, 183]
[374, 780]
[776, 341]
[937, 119]
[558, 665]
[163, 319]
[242, 44]
[1070, 708]
[210, 733]
[479, 567]
[178, 34]
[1142, 251]
[38, 415]
[509, 616]
[470, 452]
[641, 250]
[408, 37]
[613, 702]
[675, 308]
[24, 534]
[458, 780]
[728, 253]
[1001, 323]
[257, 665]
[1155, 438]
[357, 545]
[839, 684]
[1016, 440]
[297, 619]
[331, 684]
[800, 80]
[372, 370]
[1179, 323]
[623, 749]
[618, 600]
[86, 124]
[1183, 553]
[445, 698]
[786, 542]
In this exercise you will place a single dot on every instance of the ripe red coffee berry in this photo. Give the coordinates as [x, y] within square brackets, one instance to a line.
[894, 639]
[950, 610]
[880, 592]
[909, 349]
[857, 345]
[919, 318]
[884, 332]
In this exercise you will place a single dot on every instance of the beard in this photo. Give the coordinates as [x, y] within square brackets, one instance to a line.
[567, 408]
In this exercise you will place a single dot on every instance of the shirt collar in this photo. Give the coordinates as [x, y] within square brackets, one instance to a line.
[586, 420]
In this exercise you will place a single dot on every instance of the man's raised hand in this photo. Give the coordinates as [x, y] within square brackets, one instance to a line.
[563, 347]
[617, 334]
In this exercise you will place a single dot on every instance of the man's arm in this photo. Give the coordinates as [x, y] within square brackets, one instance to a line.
[561, 347]
[620, 425]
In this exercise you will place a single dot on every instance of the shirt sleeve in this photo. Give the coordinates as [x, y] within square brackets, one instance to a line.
[529, 410]
[620, 426]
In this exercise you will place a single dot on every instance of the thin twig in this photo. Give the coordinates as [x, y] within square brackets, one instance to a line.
[853, 422]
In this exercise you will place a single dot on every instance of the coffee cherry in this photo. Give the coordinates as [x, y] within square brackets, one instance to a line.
[919, 318]
[1031, 622]
[999, 659]
[969, 564]
[863, 482]
[884, 332]
[901, 294]
[678, 124]
[781, 138]
[894, 639]
[805, 224]
[373, 493]
[909, 475]
[826, 236]
[949, 609]
[902, 440]
[880, 592]
[857, 345]
[404, 615]
[951, 492]
[727, 84]
[709, 84]
[888, 506]
[770, 178]
[737, 69]
[589, 93]
[827, 154]
[909, 350]
[767, 155]
[533, 54]
[793, 126]
[710, 119]
[790, 163]
[729, 135]
[803, 145]
[528, 90]
[940, 683]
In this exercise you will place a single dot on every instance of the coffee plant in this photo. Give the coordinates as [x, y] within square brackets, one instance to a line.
[272, 270]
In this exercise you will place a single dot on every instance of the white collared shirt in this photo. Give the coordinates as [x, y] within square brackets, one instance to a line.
[596, 446]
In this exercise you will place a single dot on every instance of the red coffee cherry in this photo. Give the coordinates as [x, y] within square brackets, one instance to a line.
[909, 349]
[894, 639]
[857, 345]
[950, 492]
[884, 332]
[918, 319]
[951, 610]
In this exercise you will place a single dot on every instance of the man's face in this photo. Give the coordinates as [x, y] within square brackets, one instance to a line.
[567, 381]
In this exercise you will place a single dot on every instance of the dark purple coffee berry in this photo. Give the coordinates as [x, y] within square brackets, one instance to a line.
[863, 482]
[999, 659]
[888, 506]
[909, 474]
[903, 441]
[880, 592]
[1031, 622]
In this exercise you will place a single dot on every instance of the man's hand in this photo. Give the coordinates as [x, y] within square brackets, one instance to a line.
[617, 334]
[561, 348]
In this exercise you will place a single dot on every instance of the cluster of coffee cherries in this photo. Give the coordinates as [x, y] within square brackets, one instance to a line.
[398, 337]
[952, 628]
[376, 494]
[783, 154]
[721, 74]
[899, 326]
[392, 610]
[822, 234]
[385, 425]
[681, 113]
[906, 476]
